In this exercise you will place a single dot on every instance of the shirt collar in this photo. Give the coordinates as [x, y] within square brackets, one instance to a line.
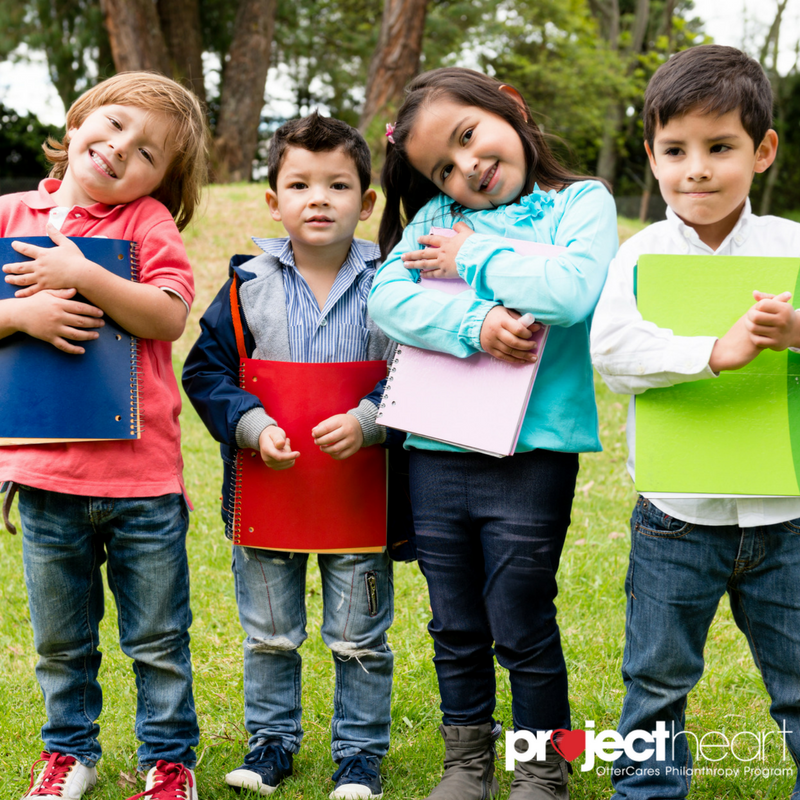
[361, 254]
[738, 234]
[42, 198]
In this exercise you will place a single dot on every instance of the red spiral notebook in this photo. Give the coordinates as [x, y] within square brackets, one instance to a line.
[319, 505]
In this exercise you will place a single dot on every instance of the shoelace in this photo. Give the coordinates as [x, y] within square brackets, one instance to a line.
[357, 769]
[55, 773]
[169, 783]
[268, 757]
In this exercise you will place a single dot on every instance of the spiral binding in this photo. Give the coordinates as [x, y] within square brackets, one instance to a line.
[235, 500]
[390, 377]
[136, 421]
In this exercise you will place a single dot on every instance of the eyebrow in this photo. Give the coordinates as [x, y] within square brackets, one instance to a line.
[720, 137]
[452, 136]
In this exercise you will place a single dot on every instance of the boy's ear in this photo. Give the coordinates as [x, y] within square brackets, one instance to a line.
[516, 97]
[652, 159]
[272, 202]
[367, 204]
[766, 151]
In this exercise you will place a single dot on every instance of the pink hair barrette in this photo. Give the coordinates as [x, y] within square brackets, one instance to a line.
[390, 132]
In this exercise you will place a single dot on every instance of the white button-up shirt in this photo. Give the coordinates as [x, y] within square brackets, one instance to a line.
[633, 355]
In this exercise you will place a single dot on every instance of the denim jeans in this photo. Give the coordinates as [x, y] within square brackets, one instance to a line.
[677, 574]
[65, 539]
[358, 607]
[489, 537]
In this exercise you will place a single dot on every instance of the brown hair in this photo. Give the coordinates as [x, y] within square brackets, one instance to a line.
[407, 190]
[186, 175]
[711, 79]
[319, 134]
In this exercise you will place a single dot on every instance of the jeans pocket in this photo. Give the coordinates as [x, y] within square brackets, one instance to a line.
[792, 525]
[652, 521]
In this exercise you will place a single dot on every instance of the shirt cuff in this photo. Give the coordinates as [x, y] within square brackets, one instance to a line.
[469, 331]
[366, 414]
[250, 426]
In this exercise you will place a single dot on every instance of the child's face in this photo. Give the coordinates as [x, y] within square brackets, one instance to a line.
[118, 154]
[704, 165]
[318, 198]
[471, 155]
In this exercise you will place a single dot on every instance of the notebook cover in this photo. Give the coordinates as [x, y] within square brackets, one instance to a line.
[319, 505]
[477, 403]
[738, 434]
[47, 395]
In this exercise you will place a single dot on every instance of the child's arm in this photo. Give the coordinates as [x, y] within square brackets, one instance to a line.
[144, 310]
[773, 323]
[558, 290]
[53, 317]
[633, 355]
[437, 259]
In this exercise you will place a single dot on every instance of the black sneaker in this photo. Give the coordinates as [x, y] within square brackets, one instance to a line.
[264, 768]
[357, 777]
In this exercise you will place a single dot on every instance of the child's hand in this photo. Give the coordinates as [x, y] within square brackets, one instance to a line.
[735, 349]
[276, 450]
[506, 338]
[59, 267]
[53, 317]
[438, 259]
[340, 436]
[772, 322]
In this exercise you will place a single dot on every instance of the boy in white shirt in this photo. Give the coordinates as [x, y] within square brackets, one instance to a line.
[707, 118]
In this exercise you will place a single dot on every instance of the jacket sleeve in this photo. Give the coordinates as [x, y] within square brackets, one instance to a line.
[412, 315]
[558, 290]
[211, 372]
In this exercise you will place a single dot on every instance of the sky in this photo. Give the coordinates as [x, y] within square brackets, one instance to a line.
[740, 23]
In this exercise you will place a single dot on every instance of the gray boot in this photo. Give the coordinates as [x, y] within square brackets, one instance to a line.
[469, 757]
[541, 780]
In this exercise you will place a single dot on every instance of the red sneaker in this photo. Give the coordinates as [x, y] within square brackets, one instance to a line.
[61, 776]
[167, 781]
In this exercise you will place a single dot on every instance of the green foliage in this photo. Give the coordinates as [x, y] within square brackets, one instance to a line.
[21, 138]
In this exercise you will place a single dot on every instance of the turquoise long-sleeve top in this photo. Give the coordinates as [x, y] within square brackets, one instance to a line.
[560, 291]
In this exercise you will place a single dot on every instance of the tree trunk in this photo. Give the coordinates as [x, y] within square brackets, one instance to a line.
[396, 57]
[607, 157]
[243, 80]
[180, 23]
[134, 32]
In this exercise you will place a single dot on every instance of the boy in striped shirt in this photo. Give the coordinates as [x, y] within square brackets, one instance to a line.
[304, 300]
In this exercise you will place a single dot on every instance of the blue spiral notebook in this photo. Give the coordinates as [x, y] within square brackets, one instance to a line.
[47, 395]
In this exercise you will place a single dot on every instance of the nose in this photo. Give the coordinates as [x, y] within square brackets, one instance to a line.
[467, 163]
[318, 196]
[119, 145]
[699, 167]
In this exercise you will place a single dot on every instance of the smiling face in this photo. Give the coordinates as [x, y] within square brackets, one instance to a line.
[318, 199]
[704, 165]
[470, 154]
[118, 154]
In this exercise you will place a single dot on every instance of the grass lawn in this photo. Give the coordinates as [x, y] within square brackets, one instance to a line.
[730, 698]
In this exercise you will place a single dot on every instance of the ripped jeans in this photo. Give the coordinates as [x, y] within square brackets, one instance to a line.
[358, 607]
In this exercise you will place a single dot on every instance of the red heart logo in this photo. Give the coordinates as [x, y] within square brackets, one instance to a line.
[569, 744]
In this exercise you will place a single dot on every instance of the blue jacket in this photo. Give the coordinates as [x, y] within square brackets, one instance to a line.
[211, 381]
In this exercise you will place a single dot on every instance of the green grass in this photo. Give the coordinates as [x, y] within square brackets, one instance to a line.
[730, 698]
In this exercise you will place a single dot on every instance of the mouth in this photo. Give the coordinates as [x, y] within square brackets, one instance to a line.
[488, 176]
[319, 219]
[101, 164]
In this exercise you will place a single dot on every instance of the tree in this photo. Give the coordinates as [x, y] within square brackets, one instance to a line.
[21, 137]
[396, 57]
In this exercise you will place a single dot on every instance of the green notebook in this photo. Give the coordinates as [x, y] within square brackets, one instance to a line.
[738, 434]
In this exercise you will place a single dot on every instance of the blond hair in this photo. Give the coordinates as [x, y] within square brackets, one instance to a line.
[186, 175]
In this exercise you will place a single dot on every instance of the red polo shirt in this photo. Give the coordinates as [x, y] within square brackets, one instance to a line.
[151, 465]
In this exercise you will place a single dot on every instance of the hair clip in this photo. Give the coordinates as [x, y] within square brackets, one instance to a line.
[390, 132]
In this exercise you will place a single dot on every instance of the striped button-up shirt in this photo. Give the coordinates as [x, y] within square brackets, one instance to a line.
[337, 332]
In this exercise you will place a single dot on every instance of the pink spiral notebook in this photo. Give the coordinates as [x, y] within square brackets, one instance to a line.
[477, 403]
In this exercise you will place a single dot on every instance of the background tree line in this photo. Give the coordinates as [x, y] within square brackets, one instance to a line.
[581, 64]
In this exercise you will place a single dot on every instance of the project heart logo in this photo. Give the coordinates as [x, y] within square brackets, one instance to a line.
[569, 744]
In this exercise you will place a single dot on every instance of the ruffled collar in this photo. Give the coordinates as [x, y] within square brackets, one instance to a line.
[532, 206]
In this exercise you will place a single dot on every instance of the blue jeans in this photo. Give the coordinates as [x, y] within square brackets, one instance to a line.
[358, 608]
[677, 574]
[65, 539]
[489, 537]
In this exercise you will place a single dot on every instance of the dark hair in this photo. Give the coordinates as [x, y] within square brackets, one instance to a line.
[711, 79]
[407, 190]
[319, 135]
